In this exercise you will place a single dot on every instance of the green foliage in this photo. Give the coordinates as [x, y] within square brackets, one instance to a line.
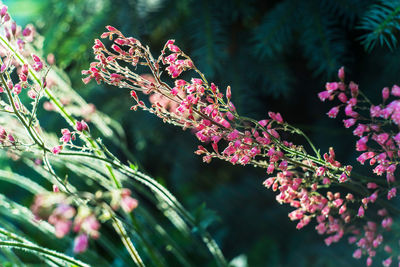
[382, 25]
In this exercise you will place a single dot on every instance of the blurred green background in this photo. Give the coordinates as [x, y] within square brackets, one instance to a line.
[276, 55]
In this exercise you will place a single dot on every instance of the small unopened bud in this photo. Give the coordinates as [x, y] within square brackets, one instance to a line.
[55, 189]
[81, 126]
[341, 73]
[228, 93]
[6, 17]
[3, 68]
[3, 11]
[13, 28]
[26, 32]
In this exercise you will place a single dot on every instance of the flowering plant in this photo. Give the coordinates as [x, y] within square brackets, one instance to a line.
[304, 179]
[95, 192]
[90, 184]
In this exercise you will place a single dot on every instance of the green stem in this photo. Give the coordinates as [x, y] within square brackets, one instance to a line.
[40, 250]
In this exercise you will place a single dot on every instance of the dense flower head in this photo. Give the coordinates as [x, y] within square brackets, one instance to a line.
[210, 113]
[379, 142]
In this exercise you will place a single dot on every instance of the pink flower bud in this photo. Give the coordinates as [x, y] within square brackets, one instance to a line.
[17, 89]
[13, 27]
[111, 28]
[342, 97]
[385, 93]
[387, 262]
[7, 18]
[57, 149]
[354, 89]
[128, 203]
[26, 32]
[333, 112]
[3, 11]
[392, 193]
[324, 95]
[396, 90]
[341, 73]
[360, 212]
[228, 93]
[81, 243]
[81, 126]
[357, 254]
[372, 185]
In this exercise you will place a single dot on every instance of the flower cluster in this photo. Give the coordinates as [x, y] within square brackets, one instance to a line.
[68, 136]
[59, 210]
[376, 127]
[300, 178]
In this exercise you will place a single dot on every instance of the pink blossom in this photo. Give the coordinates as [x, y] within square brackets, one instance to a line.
[361, 144]
[349, 111]
[3, 11]
[396, 90]
[372, 185]
[349, 122]
[332, 86]
[387, 222]
[341, 74]
[354, 89]
[57, 149]
[66, 136]
[357, 254]
[385, 93]
[360, 212]
[81, 126]
[324, 95]
[128, 203]
[81, 243]
[333, 112]
[388, 261]
[392, 193]
[369, 261]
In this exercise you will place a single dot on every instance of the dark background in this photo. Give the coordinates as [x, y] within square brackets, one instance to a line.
[276, 56]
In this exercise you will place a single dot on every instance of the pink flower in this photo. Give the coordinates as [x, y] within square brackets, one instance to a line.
[66, 136]
[333, 112]
[396, 90]
[392, 193]
[324, 95]
[372, 185]
[348, 110]
[357, 254]
[385, 93]
[388, 261]
[128, 203]
[38, 65]
[57, 149]
[359, 131]
[360, 212]
[62, 228]
[342, 97]
[361, 144]
[3, 11]
[81, 126]
[332, 86]
[341, 73]
[349, 122]
[354, 89]
[81, 243]
[375, 111]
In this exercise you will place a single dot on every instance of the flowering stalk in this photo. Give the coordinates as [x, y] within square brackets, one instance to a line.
[200, 106]
[377, 130]
[93, 149]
